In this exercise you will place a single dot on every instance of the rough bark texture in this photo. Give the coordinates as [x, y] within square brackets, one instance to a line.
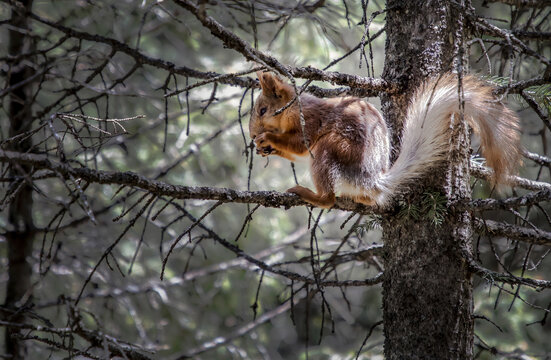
[20, 234]
[427, 291]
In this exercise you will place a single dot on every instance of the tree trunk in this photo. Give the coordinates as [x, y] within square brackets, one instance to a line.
[20, 235]
[427, 290]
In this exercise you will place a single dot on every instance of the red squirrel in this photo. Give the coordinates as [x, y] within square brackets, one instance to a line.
[348, 139]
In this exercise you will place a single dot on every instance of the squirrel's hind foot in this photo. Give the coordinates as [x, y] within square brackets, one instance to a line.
[320, 200]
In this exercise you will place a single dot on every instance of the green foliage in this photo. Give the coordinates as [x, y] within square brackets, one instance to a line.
[432, 207]
[372, 222]
[409, 210]
[497, 80]
[541, 94]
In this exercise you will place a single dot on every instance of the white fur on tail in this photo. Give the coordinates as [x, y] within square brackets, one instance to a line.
[425, 137]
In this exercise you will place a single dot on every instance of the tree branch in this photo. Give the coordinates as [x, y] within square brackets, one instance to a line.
[485, 173]
[493, 276]
[493, 30]
[242, 330]
[234, 42]
[523, 3]
[537, 158]
[519, 86]
[264, 198]
[357, 85]
[97, 339]
[159, 188]
[534, 35]
[514, 202]
[141, 58]
[494, 228]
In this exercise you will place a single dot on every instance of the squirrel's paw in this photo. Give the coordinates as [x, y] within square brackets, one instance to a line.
[262, 141]
[265, 151]
[263, 145]
[295, 189]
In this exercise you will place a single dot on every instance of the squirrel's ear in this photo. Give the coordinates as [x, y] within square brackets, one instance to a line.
[259, 76]
[273, 86]
[267, 83]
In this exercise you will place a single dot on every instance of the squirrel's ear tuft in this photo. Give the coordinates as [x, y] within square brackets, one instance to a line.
[267, 83]
[259, 74]
[273, 86]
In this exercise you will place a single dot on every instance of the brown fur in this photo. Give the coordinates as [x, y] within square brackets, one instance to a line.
[330, 129]
[499, 142]
[348, 137]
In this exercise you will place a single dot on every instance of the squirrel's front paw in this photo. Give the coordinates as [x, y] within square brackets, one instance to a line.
[265, 151]
[263, 145]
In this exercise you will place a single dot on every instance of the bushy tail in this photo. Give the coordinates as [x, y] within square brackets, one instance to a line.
[426, 133]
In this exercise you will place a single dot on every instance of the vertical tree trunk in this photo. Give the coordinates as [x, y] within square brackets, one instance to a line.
[20, 236]
[427, 290]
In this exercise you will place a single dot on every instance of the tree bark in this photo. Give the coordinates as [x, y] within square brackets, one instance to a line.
[20, 234]
[427, 290]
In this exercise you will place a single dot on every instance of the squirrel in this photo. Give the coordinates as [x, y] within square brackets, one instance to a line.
[348, 143]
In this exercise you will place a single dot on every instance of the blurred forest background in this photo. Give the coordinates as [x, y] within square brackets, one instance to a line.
[128, 85]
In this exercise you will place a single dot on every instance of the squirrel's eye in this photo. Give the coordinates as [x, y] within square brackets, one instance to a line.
[263, 111]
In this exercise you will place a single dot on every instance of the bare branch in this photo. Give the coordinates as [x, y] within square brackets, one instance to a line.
[535, 35]
[96, 338]
[362, 86]
[264, 198]
[242, 330]
[523, 3]
[486, 174]
[494, 228]
[493, 276]
[513, 202]
[140, 57]
[493, 30]
[234, 42]
[519, 86]
[187, 277]
[537, 158]
[285, 273]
